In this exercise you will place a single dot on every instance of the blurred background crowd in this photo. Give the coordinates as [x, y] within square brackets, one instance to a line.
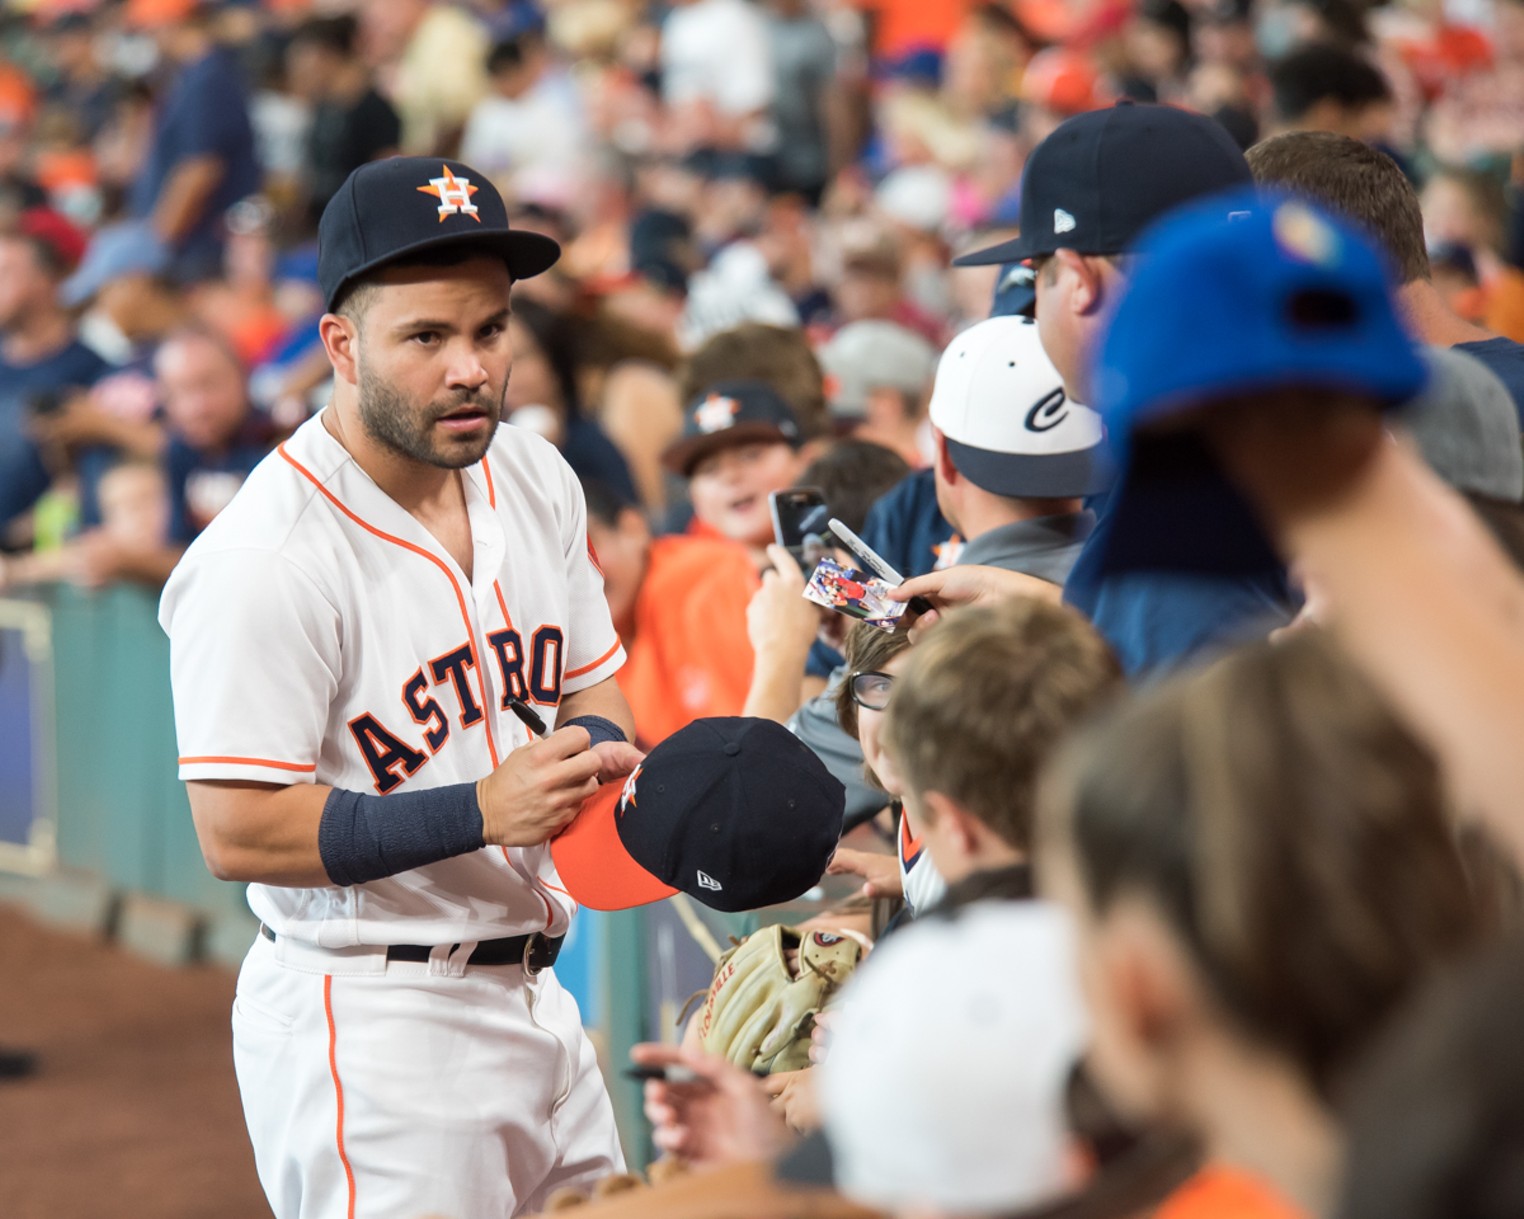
[745, 189]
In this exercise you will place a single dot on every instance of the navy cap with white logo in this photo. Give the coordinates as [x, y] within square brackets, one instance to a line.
[1103, 177]
[391, 209]
[731, 413]
[737, 813]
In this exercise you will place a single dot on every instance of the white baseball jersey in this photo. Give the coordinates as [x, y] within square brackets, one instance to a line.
[922, 884]
[318, 633]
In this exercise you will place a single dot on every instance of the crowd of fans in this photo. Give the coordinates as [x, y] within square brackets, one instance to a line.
[911, 254]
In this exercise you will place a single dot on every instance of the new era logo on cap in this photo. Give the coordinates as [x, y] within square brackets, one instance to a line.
[454, 195]
[705, 881]
[1063, 222]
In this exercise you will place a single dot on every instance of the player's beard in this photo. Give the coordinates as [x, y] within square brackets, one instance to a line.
[401, 425]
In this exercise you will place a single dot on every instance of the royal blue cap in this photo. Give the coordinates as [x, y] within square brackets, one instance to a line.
[1103, 177]
[1233, 296]
[391, 209]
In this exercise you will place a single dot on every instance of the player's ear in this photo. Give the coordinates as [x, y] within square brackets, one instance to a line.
[341, 339]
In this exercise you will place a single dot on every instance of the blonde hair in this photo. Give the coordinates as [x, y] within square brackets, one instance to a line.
[987, 697]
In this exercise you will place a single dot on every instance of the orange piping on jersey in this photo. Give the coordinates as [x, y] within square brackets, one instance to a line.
[910, 846]
[296, 766]
[491, 493]
[589, 668]
[460, 597]
[503, 605]
[338, 1089]
[563, 893]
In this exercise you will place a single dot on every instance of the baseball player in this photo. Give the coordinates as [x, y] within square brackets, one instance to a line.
[357, 642]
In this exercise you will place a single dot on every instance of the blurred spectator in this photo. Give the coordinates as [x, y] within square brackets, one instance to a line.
[1325, 88]
[543, 394]
[432, 61]
[1468, 209]
[1452, 1052]
[529, 131]
[351, 123]
[201, 160]
[134, 522]
[42, 362]
[1369, 188]
[957, 1134]
[1264, 851]
[717, 78]
[1157, 40]
[214, 436]
[878, 378]
[740, 443]
[1480, 110]
[872, 284]
[81, 86]
[777, 355]
[807, 109]
[679, 605]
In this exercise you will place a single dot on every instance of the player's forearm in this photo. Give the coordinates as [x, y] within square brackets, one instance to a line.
[606, 700]
[260, 833]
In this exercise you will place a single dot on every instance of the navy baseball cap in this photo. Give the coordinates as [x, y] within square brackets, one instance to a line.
[1015, 291]
[1104, 176]
[737, 813]
[388, 210]
[730, 413]
[1233, 296]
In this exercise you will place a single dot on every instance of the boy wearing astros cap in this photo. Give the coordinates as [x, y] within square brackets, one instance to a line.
[354, 643]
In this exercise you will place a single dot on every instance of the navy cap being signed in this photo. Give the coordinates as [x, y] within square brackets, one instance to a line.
[392, 209]
[737, 813]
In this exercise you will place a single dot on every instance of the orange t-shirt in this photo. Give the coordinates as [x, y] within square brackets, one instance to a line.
[908, 25]
[1218, 1192]
[690, 656]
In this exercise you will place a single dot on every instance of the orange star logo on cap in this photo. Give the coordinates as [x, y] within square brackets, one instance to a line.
[627, 796]
[454, 195]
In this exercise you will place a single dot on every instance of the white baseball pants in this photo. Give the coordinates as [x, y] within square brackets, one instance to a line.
[410, 1089]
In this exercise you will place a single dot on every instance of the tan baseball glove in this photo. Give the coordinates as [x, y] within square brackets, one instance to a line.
[759, 1011]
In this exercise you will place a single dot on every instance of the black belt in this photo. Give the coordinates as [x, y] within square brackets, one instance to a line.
[534, 952]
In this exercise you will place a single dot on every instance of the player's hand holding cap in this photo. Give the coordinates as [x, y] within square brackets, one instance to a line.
[402, 206]
[1236, 298]
[738, 813]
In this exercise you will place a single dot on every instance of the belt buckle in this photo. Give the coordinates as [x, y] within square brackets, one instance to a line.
[536, 953]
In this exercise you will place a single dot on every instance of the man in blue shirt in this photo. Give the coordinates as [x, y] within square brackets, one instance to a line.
[202, 157]
[41, 360]
[1089, 191]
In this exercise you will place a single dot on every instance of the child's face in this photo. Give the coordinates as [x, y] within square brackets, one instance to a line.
[729, 488]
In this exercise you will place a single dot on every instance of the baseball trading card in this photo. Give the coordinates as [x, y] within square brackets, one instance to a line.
[854, 593]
